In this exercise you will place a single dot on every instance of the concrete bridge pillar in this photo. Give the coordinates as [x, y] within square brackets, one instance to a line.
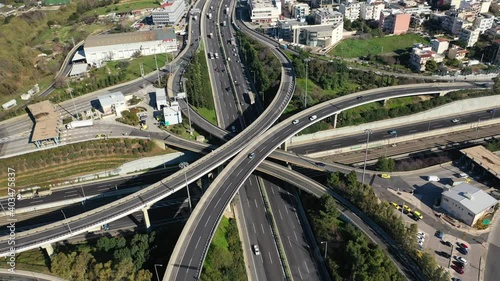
[441, 94]
[284, 145]
[49, 249]
[146, 218]
[334, 121]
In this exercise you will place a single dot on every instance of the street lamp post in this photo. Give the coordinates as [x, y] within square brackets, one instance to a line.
[477, 127]
[368, 132]
[66, 222]
[187, 102]
[184, 165]
[326, 247]
[156, 270]
[307, 78]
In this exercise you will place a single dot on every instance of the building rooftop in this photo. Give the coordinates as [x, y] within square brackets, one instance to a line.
[78, 68]
[485, 158]
[262, 3]
[320, 28]
[47, 121]
[472, 198]
[160, 94]
[170, 110]
[111, 99]
[129, 37]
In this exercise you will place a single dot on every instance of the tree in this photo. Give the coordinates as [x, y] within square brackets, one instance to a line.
[496, 85]
[431, 66]
[385, 164]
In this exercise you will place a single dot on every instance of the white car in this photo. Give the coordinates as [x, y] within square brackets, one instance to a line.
[462, 260]
[296, 121]
[256, 250]
[456, 120]
[420, 243]
[420, 233]
[312, 118]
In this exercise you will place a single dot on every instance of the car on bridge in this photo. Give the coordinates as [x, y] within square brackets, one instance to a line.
[312, 118]
[256, 250]
[295, 122]
[385, 176]
[456, 120]
[251, 155]
[392, 132]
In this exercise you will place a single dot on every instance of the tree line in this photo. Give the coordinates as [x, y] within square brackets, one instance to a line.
[262, 66]
[198, 85]
[109, 259]
[351, 256]
[383, 214]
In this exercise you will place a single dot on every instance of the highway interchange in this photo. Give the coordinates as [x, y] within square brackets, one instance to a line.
[246, 166]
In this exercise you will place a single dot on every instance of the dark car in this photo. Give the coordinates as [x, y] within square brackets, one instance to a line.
[457, 269]
[463, 251]
[359, 97]
[463, 245]
[392, 132]
[444, 254]
[319, 164]
[459, 264]
[439, 234]
[448, 243]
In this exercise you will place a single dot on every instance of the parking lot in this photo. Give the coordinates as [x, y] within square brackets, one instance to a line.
[399, 190]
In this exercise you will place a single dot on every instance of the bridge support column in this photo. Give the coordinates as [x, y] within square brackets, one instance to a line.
[441, 94]
[284, 145]
[146, 218]
[334, 122]
[49, 249]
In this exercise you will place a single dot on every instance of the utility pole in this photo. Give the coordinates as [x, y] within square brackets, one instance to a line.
[142, 69]
[368, 132]
[157, 71]
[326, 247]
[74, 105]
[66, 222]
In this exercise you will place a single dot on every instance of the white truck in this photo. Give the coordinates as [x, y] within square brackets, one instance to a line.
[211, 35]
[433, 178]
[195, 18]
[209, 16]
[251, 97]
[227, 10]
[35, 192]
[80, 124]
[216, 55]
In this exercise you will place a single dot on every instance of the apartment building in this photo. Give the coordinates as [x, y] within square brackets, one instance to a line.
[394, 21]
[327, 16]
[457, 52]
[421, 54]
[300, 10]
[264, 11]
[483, 22]
[319, 35]
[439, 45]
[372, 10]
[350, 10]
[469, 36]
[170, 12]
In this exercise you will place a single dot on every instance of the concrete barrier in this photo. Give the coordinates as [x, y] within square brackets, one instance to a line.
[407, 138]
[448, 110]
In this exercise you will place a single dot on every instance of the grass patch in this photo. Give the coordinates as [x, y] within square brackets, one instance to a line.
[32, 260]
[44, 167]
[353, 48]
[123, 7]
[207, 114]
[134, 65]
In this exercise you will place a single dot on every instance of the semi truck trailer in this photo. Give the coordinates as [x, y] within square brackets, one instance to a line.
[79, 124]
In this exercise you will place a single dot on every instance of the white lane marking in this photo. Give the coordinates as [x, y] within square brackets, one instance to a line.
[279, 211]
[256, 206]
[199, 238]
[289, 242]
[71, 191]
[307, 268]
[107, 188]
[189, 265]
[412, 131]
[208, 220]
[270, 257]
[248, 202]
[262, 227]
[272, 189]
[37, 201]
[295, 234]
[254, 229]
[300, 273]
[286, 209]
[71, 195]
[437, 126]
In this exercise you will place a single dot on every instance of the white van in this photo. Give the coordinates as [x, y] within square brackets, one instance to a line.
[433, 178]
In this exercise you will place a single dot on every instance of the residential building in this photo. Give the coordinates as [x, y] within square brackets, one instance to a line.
[394, 22]
[118, 46]
[454, 4]
[470, 5]
[264, 11]
[286, 28]
[324, 3]
[350, 10]
[9, 104]
[327, 16]
[439, 45]
[172, 114]
[371, 11]
[417, 9]
[112, 103]
[467, 203]
[421, 54]
[470, 36]
[319, 35]
[483, 22]
[161, 98]
[492, 53]
[78, 70]
[457, 52]
[484, 6]
[170, 12]
[300, 10]
[454, 24]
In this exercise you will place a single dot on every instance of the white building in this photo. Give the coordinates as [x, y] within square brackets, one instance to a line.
[319, 35]
[170, 12]
[9, 104]
[161, 98]
[467, 203]
[300, 10]
[371, 11]
[484, 6]
[264, 11]
[483, 22]
[112, 103]
[108, 47]
[439, 45]
[470, 36]
[327, 16]
[172, 114]
[421, 54]
[350, 10]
